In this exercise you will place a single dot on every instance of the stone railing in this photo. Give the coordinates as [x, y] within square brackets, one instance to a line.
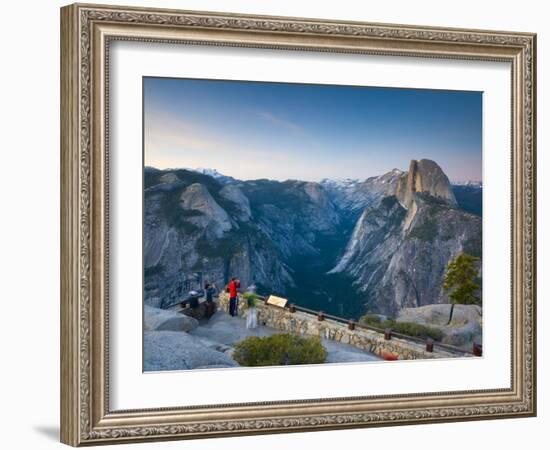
[296, 321]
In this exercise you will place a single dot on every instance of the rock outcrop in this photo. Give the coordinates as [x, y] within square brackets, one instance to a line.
[400, 248]
[173, 350]
[377, 231]
[169, 178]
[352, 196]
[465, 327]
[211, 216]
[156, 319]
[239, 201]
[424, 177]
[320, 209]
[196, 228]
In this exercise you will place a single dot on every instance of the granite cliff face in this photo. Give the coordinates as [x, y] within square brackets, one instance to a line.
[195, 229]
[352, 196]
[241, 205]
[196, 224]
[400, 247]
[382, 243]
[206, 213]
[293, 214]
[424, 177]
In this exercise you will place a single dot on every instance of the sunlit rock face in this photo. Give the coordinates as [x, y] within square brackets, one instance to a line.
[424, 176]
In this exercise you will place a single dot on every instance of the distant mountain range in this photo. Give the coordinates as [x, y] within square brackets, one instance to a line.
[470, 183]
[343, 246]
[331, 183]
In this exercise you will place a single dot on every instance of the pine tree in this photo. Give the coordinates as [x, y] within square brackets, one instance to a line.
[460, 279]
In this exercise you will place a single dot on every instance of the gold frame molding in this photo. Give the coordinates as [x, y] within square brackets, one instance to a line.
[86, 31]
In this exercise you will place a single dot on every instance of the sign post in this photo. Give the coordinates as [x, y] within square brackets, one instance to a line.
[276, 301]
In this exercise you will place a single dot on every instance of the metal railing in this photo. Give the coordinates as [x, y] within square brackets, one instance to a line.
[425, 342]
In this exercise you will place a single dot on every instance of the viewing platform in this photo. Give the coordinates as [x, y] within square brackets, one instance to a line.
[381, 342]
[182, 337]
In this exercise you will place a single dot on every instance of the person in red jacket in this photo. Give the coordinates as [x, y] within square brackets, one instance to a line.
[233, 286]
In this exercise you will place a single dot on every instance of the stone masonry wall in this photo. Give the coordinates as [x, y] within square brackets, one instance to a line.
[304, 323]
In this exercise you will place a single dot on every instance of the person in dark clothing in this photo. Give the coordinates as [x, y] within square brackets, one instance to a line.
[210, 290]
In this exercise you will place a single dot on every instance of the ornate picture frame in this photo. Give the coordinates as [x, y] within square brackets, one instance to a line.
[87, 31]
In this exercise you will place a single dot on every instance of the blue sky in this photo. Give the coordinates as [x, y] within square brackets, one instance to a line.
[282, 131]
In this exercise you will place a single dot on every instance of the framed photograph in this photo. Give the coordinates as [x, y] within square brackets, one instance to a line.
[276, 224]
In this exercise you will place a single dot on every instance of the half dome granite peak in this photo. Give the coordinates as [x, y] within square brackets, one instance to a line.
[424, 176]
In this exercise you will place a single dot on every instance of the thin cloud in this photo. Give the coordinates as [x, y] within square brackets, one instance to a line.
[281, 122]
[174, 142]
